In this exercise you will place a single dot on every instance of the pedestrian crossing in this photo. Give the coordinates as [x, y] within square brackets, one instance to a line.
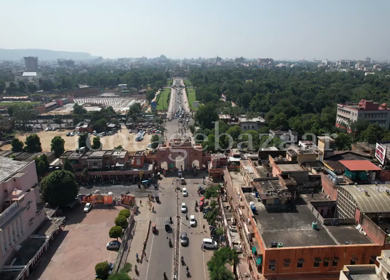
[160, 221]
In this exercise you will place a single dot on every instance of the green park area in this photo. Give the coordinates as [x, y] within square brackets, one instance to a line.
[163, 100]
[8, 104]
[169, 82]
[191, 98]
[187, 83]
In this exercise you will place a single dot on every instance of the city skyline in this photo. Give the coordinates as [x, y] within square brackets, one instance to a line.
[282, 30]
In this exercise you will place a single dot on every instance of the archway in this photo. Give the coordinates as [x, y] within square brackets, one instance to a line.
[195, 163]
[180, 162]
[164, 165]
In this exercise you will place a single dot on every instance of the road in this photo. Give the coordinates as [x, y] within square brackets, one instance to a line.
[160, 255]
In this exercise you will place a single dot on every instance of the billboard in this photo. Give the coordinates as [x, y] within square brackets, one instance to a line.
[380, 153]
[128, 199]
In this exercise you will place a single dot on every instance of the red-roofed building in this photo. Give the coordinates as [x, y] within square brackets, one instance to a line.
[359, 165]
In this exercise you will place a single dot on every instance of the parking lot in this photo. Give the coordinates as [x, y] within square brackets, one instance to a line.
[75, 252]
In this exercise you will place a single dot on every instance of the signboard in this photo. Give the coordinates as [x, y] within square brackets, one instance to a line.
[128, 199]
[380, 153]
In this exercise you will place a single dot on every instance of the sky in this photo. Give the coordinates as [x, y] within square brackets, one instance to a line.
[280, 29]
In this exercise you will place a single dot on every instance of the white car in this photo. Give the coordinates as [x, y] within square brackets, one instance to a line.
[115, 245]
[185, 193]
[183, 207]
[192, 221]
[87, 207]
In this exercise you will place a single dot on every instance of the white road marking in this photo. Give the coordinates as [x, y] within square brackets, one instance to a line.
[150, 254]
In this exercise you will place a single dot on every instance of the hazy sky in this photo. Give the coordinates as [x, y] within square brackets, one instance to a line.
[290, 29]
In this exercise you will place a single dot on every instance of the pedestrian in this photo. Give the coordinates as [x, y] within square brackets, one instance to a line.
[136, 256]
[140, 202]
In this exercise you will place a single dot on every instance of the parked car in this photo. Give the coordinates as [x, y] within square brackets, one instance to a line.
[68, 134]
[183, 207]
[208, 243]
[113, 245]
[87, 207]
[185, 193]
[184, 239]
[192, 221]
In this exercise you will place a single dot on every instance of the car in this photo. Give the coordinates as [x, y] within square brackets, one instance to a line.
[183, 208]
[184, 239]
[192, 221]
[47, 128]
[184, 191]
[179, 173]
[114, 245]
[208, 243]
[71, 134]
[87, 207]
[68, 134]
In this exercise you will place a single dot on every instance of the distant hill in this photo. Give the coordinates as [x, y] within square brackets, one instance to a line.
[17, 54]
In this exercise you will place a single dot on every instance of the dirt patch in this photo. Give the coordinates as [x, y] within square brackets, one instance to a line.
[123, 138]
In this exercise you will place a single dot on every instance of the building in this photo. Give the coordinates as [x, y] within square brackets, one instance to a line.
[31, 63]
[21, 208]
[29, 77]
[294, 240]
[364, 110]
[251, 123]
[66, 63]
[109, 165]
[370, 271]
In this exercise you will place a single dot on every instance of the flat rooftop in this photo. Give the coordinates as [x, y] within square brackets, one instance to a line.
[293, 227]
[9, 167]
[295, 167]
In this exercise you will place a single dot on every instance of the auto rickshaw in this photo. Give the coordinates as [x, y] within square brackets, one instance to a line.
[167, 226]
[154, 229]
[157, 198]
[183, 182]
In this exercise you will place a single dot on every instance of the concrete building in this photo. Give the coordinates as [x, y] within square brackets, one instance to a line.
[251, 124]
[31, 63]
[368, 272]
[20, 205]
[364, 110]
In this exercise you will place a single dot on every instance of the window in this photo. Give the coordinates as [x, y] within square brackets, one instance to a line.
[334, 263]
[287, 262]
[316, 264]
[352, 262]
[326, 263]
[272, 265]
[300, 263]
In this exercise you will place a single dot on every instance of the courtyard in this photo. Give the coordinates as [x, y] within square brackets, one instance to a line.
[75, 252]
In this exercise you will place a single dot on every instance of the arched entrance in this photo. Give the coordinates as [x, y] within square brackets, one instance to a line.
[195, 163]
[180, 162]
[164, 165]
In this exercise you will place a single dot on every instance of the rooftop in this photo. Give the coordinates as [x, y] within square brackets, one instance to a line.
[295, 167]
[333, 161]
[293, 228]
[9, 167]
[370, 198]
[360, 165]
[29, 74]
[258, 119]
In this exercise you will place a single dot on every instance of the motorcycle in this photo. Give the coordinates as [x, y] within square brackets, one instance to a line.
[170, 243]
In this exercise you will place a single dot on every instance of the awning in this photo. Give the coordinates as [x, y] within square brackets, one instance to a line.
[202, 198]
[145, 181]
[259, 260]
[327, 259]
[272, 262]
[201, 203]
[119, 164]
[318, 260]
[287, 261]
[354, 258]
[253, 250]
[336, 259]
[373, 258]
[301, 260]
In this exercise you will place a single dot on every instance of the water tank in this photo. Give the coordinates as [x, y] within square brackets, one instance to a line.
[274, 244]
[314, 225]
[257, 194]
[280, 245]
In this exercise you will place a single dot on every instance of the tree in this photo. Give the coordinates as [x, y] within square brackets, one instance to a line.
[100, 125]
[211, 192]
[219, 232]
[1, 89]
[102, 269]
[217, 267]
[121, 221]
[77, 119]
[83, 138]
[96, 143]
[134, 111]
[22, 113]
[373, 133]
[79, 110]
[47, 85]
[31, 88]
[124, 212]
[115, 232]
[155, 141]
[279, 121]
[343, 141]
[12, 88]
[33, 144]
[58, 146]
[17, 145]
[206, 116]
[57, 120]
[68, 166]
[59, 188]
[42, 165]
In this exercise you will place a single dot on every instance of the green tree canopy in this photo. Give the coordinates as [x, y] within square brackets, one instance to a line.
[102, 269]
[373, 133]
[59, 188]
[206, 116]
[115, 232]
[22, 113]
[42, 165]
[58, 146]
[33, 144]
[17, 145]
[217, 267]
[155, 141]
[83, 138]
[343, 141]
[121, 221]
[79, 110]
[68, 166]
[96, 144]
[124, 212]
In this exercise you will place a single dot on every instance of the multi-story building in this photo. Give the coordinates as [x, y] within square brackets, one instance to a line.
[31, 63]
[21, 208]
[364, 110]
[251, 124]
